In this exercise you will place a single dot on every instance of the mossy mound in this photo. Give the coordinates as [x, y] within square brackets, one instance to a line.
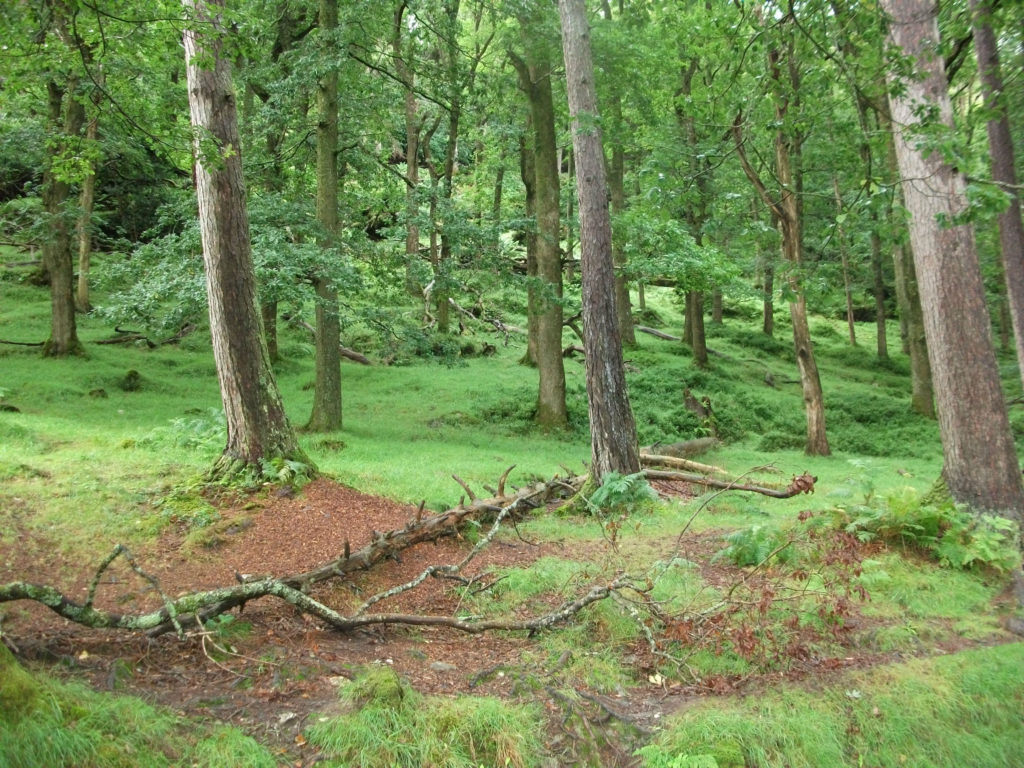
[19, 691]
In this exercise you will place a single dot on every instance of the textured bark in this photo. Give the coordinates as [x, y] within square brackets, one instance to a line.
[86, 198]
[256, 423]
[612, 428]
[546, 310]
[326, 414]
[1000, 143]
[786, 210]
[527, 161]
[413, 127]
[695, 322]
[908, 298]
[66, 117]
[981, 467]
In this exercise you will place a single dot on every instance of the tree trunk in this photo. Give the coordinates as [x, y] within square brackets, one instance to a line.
[845, 259]
[535, 81]
[326, 414]
[66, 117]
[786, 209]
[413, 126]
[881, 342]
[258, 430]
[612, 429]
[527, 162]
[695, 322]
[716, 306]
[1000, 143]
[268, 313]
[908, 298]
[86, 198]
[981, 467]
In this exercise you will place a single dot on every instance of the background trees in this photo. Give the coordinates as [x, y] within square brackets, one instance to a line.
[748, 156]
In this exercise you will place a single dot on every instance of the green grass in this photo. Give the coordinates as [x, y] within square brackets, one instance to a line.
[44, 722]
[939, 712]
[388, 725]
[88, 463]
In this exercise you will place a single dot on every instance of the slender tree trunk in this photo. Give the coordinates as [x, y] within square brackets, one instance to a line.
[878, 277]
[413, 126]
[612, 429]
[535, 81]
[268, 313]
[981, 467]
[616, 182]
[66, 119]
[326, 414]
[570, 245]
[258, 430]
[716, 306]
[527, 163]
[845, 259]
[1000, 143]
[698, 341]
[86, 198]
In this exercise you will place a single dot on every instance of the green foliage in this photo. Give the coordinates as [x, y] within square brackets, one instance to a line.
[756, 544]
[622, 493]
[390, 725]
[955, 536]
[201, 431]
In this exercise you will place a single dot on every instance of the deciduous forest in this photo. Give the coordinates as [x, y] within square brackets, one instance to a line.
[492, 383]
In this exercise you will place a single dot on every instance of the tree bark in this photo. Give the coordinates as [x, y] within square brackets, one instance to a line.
[66, 117]
[257, 427]
[612, 428]
[981, 467]
[786, 209]
[413, 126]
[326, 414]
[1000, 143]
[545, 301]
[86, 199]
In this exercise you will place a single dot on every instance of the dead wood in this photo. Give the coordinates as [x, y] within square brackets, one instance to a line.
[657, 333]
[686, 449]
[355, 357]
[190, 610]
[673, 462]
[800, 484]
[23, 343]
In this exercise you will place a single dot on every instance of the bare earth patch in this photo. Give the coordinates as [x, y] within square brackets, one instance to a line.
[286, 668]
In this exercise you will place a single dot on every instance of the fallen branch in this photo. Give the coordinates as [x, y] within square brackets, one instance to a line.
[656, 332]
[658, 460]
[801, 484]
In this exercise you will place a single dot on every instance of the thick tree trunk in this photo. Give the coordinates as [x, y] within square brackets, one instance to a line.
[695, 322]
[981, 467]
[257, 427]
[908, 298]
[326, 414]
[535, 81]
[1000, 143]
[66, 119]
[612, 429]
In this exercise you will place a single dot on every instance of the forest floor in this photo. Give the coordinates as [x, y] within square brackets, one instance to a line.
[283, 669]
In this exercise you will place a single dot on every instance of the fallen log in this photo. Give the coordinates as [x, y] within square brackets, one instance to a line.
[188, 611]
[800, 484]
[656, 460]
[657, 333]
[686, 449]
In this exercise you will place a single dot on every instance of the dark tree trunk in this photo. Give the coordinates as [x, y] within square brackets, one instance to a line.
[981, 467]
[612, 429]
[695, 322]
[257, 427]
[535, 81]
[1000, 143]
[413, 126]
[326, 414]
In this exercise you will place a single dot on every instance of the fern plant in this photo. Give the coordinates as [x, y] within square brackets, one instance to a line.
[621, 493]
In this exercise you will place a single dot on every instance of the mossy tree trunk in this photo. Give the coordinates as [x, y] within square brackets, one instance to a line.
[258, 429]
[326, 414]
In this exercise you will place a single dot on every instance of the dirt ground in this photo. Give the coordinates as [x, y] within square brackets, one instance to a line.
[286, 670]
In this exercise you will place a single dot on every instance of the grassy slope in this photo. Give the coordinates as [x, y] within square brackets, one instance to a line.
[86, 468]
